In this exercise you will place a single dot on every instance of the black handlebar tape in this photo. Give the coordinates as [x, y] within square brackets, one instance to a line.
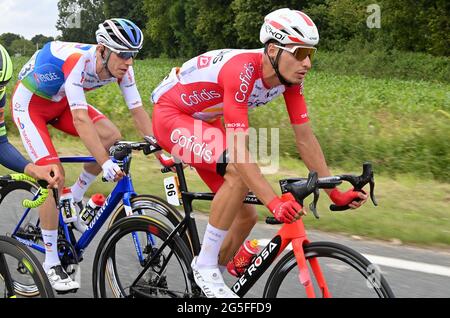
[272, 220]
[336, 208]
[43, 184]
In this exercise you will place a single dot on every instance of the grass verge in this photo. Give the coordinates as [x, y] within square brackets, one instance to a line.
[411, 209]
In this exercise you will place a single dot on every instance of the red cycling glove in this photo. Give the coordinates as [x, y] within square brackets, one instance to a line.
[343, 198]
[284, 211]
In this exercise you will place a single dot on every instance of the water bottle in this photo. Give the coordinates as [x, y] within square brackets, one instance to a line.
[243, 258]
[92, 206]
[69, 213]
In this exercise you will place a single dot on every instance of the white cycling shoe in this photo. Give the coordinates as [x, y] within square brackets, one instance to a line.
[210, 280]
[61, 281]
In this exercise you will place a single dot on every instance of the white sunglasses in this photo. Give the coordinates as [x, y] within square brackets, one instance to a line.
[300, 52]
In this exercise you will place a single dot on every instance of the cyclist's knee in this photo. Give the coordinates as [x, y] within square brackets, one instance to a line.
[113, 136]
[108, 132]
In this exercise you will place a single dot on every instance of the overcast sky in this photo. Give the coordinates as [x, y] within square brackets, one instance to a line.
[29, 17]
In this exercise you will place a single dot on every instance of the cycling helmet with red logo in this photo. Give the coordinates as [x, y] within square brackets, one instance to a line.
[289, 27]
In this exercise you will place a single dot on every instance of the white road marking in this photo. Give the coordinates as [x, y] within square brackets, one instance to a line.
[409, 265]
[394, 263]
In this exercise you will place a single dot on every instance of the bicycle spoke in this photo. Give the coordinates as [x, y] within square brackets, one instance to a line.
[164, 273]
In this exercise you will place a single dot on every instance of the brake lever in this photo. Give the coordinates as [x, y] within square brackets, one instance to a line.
[372, 192]
[300, 189]
[313, 205]
[308, 187]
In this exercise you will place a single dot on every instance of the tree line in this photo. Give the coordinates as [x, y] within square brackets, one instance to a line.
[17, 44]
[184, 28]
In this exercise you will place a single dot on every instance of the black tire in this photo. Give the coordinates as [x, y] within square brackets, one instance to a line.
[12, 193]
[18, 256]
[153, 284]
[7, 186]
[155, 207]
[341, 267]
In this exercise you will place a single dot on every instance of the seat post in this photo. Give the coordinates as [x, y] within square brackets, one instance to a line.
[181, 177]
[187, 199]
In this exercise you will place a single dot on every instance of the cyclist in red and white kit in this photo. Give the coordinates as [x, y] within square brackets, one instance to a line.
[189, 105]
[51, 90]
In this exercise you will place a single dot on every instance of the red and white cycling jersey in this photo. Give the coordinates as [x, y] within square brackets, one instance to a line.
[66, 69]
[226, 83]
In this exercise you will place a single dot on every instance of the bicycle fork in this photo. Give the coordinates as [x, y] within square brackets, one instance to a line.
[304, 275]
[296, 234]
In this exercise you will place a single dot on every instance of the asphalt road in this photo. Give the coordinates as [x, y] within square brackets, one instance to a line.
[410, 271]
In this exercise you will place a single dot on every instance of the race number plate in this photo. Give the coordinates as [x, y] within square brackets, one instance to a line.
[172, 191]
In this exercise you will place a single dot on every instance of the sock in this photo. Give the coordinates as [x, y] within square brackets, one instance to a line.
[80, 187]
[51, 248]
[212, 241]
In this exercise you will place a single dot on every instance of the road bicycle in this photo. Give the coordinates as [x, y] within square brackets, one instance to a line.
[311, 269]
[16, 260]
[122, 201]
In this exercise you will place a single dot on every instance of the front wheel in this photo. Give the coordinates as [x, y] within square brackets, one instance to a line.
[155, 207]
[347, 274]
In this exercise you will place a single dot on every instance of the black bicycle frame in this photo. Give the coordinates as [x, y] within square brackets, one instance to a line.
[259, 265]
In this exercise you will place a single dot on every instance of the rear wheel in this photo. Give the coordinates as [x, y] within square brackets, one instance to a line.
[347, 274]
[117, 266]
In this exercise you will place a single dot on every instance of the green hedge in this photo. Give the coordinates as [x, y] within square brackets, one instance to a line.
[403, 126]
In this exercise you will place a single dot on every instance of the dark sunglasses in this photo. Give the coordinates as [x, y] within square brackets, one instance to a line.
[125, 55]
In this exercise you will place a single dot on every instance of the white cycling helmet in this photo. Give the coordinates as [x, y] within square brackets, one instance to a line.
[289, 27]
[120, 34]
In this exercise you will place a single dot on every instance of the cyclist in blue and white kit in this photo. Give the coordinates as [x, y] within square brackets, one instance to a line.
[51, 90]
[9, 156]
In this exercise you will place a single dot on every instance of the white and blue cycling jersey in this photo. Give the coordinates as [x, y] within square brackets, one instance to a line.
[67, 69]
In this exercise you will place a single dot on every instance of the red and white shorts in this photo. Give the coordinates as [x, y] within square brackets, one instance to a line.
[32, 114]
[200, 144]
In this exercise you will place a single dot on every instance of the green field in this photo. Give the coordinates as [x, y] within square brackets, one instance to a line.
[402, 126]
[411, 210]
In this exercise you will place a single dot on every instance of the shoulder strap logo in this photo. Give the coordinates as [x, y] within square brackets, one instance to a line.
[203, 61]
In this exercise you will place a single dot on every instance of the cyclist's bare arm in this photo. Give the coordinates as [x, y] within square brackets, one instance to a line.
[142, 121]
[310, 150]
[88, 135]
[312, 155]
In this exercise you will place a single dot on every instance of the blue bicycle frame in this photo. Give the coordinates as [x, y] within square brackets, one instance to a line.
[124, 191]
